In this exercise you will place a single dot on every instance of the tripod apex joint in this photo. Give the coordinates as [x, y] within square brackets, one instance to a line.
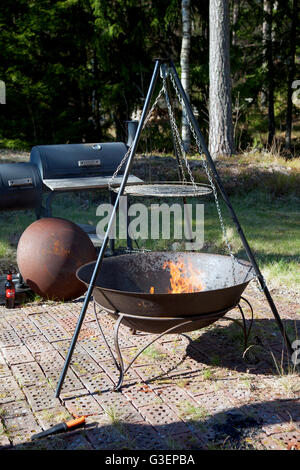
[164, 70]
[162, 60]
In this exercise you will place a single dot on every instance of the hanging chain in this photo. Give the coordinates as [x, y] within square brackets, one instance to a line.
[111, 180]
[209, 176]
[177, 142]
[177, 135]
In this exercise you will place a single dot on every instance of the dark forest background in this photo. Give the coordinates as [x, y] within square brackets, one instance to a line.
[76, 70]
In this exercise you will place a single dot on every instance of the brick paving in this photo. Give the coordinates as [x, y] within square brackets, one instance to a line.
[182, 393]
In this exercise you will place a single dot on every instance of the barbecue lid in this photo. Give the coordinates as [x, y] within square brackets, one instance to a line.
[19, 175]
[20, 186]
[78, 160]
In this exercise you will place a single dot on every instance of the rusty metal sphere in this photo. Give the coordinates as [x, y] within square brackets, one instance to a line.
[49, 252]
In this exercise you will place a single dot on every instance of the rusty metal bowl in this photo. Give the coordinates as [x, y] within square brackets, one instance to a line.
[49, 253]
[123, 285]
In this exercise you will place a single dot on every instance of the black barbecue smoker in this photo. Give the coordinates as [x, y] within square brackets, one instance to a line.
[78, 167]
[54, 169]
[121, 285]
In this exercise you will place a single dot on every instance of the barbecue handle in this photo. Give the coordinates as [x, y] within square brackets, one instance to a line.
[61, 427]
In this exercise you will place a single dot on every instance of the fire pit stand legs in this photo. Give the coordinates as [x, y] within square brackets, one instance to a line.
[118, 358]
[243, 325]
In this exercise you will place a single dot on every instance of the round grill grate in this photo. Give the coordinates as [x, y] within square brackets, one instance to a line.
[167, 189]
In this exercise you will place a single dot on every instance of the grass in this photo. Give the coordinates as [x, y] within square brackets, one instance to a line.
[246, 382]
[272, 228]
[116, 417]
[266, 157]
[208, 374]
[289, 383]
[282, 369]
[188, 411]
[154, 353]
[53, 416]
[114, 414]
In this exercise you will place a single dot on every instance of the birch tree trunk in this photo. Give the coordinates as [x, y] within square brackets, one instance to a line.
[266, 34]
[220, 106]
[185, 66]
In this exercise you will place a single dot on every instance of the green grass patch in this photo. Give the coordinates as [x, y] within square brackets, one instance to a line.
[154, 353]
[272, 228]
[188, 411]
[15, 144]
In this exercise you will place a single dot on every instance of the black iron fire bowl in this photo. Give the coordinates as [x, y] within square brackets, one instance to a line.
[124, 282]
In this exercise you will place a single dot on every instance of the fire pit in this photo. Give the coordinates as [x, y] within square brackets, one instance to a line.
[156, 292]
[167, 292]
[165, 288]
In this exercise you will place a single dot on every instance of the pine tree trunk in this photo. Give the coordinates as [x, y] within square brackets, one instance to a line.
[220, 106]
[185, 66]
[291, 76]
[268, 10]
[235, 15]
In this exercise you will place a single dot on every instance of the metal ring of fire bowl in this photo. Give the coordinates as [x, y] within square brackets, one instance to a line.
[159, 325]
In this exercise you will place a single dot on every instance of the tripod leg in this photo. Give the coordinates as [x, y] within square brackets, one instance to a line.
[212, 166]
[110, 224]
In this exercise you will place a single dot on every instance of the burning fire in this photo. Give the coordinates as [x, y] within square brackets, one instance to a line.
[184, 278]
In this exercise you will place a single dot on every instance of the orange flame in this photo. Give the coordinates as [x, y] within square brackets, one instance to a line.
[184, 277]
[151, 290]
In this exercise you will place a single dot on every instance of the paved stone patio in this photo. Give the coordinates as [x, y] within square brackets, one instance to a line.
[180, 394]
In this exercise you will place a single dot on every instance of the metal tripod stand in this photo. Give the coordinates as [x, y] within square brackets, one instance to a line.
[162, 64]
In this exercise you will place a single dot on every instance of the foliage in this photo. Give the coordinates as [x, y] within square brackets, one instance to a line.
[76, 70]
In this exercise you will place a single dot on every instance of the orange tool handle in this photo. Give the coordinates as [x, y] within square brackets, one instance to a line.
[75, 422]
